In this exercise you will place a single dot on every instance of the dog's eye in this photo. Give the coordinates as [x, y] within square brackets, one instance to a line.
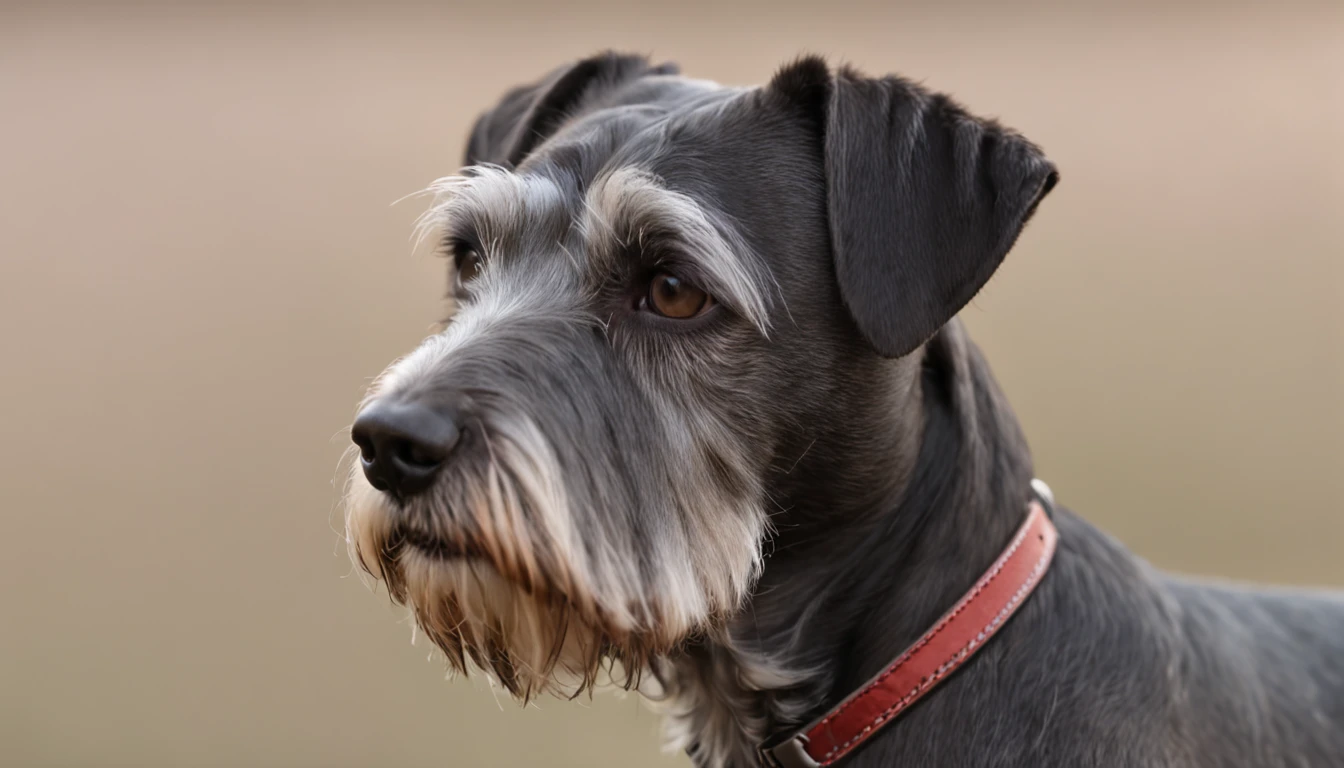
[469, 266]
[670, 296]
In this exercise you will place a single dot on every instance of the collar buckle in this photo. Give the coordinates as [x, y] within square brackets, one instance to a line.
[792, 753]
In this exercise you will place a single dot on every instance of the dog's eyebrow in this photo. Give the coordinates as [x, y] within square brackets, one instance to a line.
[629, 202]
[489, 201]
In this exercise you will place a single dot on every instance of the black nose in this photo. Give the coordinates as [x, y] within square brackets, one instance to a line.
[403, 445]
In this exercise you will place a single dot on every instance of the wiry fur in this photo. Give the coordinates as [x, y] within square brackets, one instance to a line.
[751, 512]
[508, 562]
[720, 701]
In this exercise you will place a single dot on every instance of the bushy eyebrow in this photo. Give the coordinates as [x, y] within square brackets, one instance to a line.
[629, 206]
[489, 201]
[629, 203]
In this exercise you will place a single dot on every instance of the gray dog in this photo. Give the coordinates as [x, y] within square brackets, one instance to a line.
[704, 423]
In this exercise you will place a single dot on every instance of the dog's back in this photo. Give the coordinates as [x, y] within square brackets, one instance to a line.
[1117, 663]
[1272, 660]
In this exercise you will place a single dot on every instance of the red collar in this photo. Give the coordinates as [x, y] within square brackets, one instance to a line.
[947, 645]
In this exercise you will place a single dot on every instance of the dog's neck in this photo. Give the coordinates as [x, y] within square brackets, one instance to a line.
[933, 495]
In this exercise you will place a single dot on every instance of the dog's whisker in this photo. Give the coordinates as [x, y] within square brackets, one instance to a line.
[801, 456]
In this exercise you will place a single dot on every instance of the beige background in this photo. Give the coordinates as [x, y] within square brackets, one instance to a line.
[200, 270]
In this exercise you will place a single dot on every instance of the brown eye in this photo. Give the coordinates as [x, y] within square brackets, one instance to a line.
[469, 266]
[670, 296]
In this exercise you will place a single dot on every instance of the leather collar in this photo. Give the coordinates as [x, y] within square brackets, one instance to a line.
[953, 639]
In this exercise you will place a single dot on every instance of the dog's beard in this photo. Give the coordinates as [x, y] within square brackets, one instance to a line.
[528, 643]
[493, 568]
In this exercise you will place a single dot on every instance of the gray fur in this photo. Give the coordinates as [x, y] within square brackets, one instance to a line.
[762, 507]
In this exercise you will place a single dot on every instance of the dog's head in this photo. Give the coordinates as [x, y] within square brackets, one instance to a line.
[665, 293]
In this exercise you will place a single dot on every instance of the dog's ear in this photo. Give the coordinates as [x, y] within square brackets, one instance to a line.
[530, 114]
[924, 200]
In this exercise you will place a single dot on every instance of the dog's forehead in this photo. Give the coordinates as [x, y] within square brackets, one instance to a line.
[647, 130]
[650, 126]
[638, 126]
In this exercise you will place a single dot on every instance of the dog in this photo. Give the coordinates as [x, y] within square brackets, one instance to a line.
[704, 424]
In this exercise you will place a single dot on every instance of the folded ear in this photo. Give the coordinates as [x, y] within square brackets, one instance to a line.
[530, 114]
[924, 200]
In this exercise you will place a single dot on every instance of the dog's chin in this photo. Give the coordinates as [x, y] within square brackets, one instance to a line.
[527, 634]
[528, 643]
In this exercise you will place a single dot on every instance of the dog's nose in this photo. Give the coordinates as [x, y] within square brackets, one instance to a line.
[403, 445]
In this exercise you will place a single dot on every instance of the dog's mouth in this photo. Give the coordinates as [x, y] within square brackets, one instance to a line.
[434, 547]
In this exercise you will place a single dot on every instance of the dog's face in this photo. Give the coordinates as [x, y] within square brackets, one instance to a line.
[664, 290]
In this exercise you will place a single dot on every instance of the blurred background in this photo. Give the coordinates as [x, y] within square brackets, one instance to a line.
[200, 270]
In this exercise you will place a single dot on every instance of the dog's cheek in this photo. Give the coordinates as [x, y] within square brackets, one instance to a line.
[715, 509]
[716, 386]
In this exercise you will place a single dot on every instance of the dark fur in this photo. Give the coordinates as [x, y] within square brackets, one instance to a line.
[894, 469]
